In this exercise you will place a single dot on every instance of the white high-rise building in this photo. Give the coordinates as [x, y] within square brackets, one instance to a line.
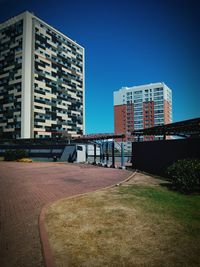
[41, 80]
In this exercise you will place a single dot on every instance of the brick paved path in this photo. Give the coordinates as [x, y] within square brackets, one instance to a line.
[25, 188]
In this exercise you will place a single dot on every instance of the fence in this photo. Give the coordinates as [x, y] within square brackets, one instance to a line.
[155, 156]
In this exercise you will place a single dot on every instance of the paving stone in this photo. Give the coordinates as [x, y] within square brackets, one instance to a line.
[25, 188]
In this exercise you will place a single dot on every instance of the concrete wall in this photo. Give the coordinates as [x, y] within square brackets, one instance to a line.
[69, 153]
[81, 153]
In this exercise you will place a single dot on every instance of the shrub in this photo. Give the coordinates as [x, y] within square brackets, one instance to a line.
[21, 154]
[185, 175]
[15, 154]
[9, 155]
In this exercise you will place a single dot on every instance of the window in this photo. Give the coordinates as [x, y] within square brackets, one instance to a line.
[137, 92]
[158, 89]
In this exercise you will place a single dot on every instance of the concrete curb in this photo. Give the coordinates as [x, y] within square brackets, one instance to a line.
[46, 249]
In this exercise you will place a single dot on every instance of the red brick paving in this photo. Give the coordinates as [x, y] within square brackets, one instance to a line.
[25, 188]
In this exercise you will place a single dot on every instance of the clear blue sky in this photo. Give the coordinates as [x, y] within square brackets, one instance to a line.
[128, 43]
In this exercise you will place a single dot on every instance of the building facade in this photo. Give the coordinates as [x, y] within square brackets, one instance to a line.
[42, 90]
[141, 107]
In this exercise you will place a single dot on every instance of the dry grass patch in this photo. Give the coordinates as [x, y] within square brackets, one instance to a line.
[25, 160]
[132, 225]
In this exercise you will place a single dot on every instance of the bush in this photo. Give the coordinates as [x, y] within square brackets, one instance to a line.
[185, 175]
[11, 155]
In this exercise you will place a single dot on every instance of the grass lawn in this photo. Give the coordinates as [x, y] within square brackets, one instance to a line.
[134, 224]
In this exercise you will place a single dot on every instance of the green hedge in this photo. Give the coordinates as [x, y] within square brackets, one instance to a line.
[185, 175]
[15, 154]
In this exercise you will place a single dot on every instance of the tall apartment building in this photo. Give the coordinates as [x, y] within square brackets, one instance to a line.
[141, 107]
[41, 80]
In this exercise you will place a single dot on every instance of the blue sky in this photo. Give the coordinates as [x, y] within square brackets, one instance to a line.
[128, 43]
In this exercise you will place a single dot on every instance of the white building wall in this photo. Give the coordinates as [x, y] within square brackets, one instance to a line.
[26, 105]
[83, 90]
[81, 154]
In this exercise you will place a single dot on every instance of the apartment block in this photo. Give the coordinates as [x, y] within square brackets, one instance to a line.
[141, 107]
[42, 92]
